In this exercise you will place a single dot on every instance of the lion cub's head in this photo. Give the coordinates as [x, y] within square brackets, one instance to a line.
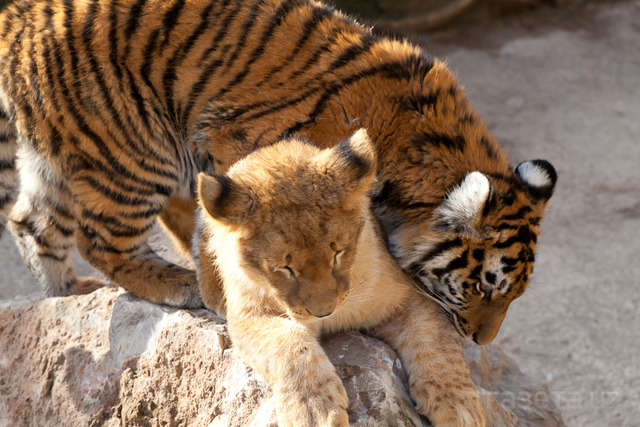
[292, 214]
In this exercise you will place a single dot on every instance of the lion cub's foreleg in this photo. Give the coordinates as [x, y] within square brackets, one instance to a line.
[287, 354]
[439, 377]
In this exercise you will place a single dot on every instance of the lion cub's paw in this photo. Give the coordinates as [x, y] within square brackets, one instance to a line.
[458, 414]
[323, 403]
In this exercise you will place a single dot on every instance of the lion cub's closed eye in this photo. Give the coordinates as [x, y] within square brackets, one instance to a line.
[299, 253]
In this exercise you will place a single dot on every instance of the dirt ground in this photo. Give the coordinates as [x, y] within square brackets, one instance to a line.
[564, 86]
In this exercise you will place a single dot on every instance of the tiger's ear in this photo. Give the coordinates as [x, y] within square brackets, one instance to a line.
[223, 199]
[462, 208]
[539, 176]
[353, 160]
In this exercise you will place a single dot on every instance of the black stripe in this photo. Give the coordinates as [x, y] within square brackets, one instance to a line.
[170, 20]
[506, 226]
[93, 236]
[148, 55]
[353, 52]
[439, 249]
[419, 101]
[58, 208]
[421, 205]
[33, 231]
[133, 232]
[53, 256]
[222, 30]
[505, 244]
[318, 14]
[315, 57]
[450, 142]
[7, 164]
[114, 196]
[524, 236]
[171, 70]
[65, 231]
[132, 24]
[475, 273]
[509, 261]
[121, 229]
[519, 215]
[113, 40]
[455, 264]
[151, 212]
[143, 114]
[246, 30]
[198, 87]
[212, 65]
[70, 41]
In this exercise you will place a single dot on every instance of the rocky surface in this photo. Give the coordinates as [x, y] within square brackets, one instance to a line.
[111, 359]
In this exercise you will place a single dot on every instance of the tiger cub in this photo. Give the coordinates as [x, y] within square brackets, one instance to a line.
[114, 106]
[292, 234]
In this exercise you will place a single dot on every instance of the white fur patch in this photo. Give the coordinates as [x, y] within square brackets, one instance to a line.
[533, 175]
[465, 202]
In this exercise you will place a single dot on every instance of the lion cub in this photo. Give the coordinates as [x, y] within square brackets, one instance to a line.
[300, 254]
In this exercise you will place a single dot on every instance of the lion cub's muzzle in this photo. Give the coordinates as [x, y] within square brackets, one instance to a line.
[317, 301]
[322, 311]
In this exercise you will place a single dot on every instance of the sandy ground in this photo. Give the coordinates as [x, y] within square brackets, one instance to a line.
[564, 86]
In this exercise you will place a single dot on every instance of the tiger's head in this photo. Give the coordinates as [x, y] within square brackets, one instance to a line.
[478, 252]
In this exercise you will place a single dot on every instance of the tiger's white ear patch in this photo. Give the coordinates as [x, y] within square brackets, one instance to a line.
[534, 175]
[464, 204]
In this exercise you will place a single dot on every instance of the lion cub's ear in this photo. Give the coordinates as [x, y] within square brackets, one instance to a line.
[223, 199]
[353, 160]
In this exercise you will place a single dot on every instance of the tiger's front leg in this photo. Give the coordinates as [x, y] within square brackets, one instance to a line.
[431, 351]
[307, 389]
[114, 225]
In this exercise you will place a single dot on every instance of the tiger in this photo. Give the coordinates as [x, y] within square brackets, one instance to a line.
[114, 106]
[290, 229]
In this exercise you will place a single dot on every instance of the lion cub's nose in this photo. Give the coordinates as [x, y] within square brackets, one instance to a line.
[322, 312]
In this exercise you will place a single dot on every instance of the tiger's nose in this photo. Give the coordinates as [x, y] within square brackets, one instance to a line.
[484, 335]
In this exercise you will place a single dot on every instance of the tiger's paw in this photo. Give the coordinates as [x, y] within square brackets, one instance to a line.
[323, 404]
[192, 298]
[86, 285]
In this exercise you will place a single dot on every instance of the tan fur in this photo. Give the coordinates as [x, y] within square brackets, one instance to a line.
[294, 206]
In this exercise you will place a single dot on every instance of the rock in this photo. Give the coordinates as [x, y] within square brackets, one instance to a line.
[111, 359]
[499, 375]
